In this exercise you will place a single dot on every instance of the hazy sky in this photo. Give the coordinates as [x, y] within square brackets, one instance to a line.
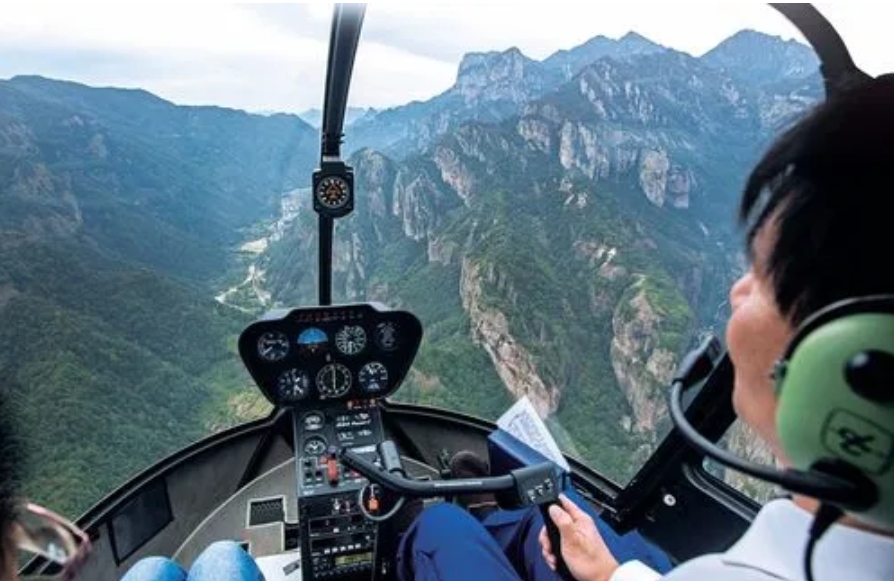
[273, 56]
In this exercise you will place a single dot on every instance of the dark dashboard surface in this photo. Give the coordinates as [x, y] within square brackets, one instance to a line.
[307, 356]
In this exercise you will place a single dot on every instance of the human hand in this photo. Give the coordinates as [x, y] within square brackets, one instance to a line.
[583, 549]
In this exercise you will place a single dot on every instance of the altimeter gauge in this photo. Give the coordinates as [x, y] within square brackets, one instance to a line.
[293, 385]
[350, 339]
[333, 380]
[373, 377]
[273, 346]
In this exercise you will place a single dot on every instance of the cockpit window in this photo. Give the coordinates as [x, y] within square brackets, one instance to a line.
[553, 198]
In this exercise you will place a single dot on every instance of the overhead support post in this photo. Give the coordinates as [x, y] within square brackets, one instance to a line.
[333, 181]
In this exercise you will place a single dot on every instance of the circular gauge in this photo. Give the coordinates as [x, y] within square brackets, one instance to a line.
[315, 446]
[350, 339]
[313, 421]
[312, 341]
[333, 192]
[373, 377]
[333, 380]
[386, 336]
[273, 346]
[293, 385]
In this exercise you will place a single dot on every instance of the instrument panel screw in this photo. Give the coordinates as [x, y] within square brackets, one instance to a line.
[669, 500]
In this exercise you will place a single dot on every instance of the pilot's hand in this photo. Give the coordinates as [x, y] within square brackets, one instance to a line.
[583, 549]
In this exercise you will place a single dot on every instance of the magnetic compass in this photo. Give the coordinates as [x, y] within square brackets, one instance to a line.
[333, 187]
[333, 192]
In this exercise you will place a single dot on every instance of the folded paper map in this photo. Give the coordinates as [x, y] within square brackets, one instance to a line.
[523, 423]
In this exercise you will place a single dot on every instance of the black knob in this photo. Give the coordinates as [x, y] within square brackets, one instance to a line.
[871, 375]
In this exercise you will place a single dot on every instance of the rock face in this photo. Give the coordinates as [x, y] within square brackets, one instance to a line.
[653, 169]
[490, 329]
[507, 76]
[454, 173]
[490, 86]
[642, 367]
[759, 58]
[741, 440]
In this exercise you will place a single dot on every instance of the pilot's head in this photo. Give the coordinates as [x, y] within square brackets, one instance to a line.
[819, 230]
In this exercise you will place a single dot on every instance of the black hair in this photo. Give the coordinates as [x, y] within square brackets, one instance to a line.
[11, 465]
[827, 184]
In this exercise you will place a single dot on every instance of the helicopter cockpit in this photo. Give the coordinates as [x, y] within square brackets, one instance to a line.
[330, 365]
[325, 484]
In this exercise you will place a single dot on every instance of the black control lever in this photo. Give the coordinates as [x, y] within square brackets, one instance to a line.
[427, 489]
[390, 458]
[537, 485]
[555, 542]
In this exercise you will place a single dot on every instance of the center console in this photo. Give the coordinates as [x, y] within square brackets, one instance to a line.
[337, 540]
[330, 365]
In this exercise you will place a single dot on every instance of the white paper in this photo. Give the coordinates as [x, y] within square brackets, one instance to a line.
[523, 423]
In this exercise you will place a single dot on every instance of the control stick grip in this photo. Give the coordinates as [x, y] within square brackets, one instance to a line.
[390, 458]
[555, 542]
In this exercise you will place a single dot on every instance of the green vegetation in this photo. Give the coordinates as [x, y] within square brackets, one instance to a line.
[119, 213]
[109, 369]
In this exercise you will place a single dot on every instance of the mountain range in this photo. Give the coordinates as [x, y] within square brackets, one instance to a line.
[495, 85]
[563, 232]
[563, 227]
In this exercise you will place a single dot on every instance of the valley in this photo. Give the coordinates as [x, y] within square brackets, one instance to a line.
[249, 294]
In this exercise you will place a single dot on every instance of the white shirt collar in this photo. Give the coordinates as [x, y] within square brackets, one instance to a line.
[777, 537]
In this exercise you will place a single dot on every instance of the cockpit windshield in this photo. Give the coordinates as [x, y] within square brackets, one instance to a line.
[551, 192]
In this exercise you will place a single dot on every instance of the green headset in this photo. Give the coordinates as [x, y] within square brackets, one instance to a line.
[835, 389]
[835, 380]
[835, 413]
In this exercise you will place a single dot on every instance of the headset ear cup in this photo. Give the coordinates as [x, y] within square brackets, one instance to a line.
[820, 417]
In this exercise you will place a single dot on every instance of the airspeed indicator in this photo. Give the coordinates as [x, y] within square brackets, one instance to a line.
[273, 346]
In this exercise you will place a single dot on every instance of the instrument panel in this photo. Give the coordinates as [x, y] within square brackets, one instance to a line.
[306, 356]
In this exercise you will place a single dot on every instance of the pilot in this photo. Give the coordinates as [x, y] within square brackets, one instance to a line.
[28, 530]
[818, 231]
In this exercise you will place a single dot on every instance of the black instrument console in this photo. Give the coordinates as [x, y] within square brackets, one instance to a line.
[330, 365]
[337, 540]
